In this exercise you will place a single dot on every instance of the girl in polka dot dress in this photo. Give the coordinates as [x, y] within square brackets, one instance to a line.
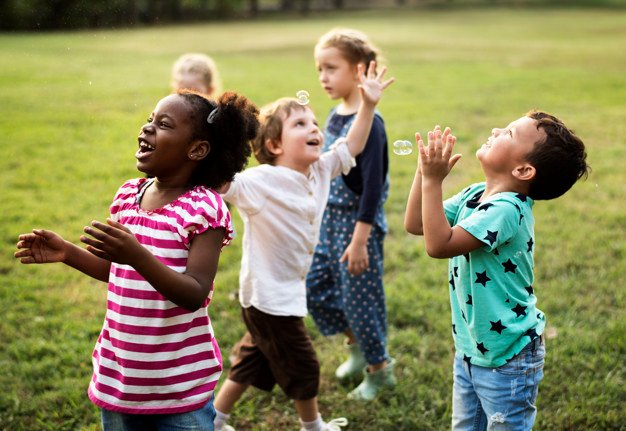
[345, 292]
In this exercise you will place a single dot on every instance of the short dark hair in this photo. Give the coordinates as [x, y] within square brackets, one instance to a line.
[559, 159]
[232, 127]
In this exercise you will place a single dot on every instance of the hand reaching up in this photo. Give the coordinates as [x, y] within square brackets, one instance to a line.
[372, 85]
[436, 160]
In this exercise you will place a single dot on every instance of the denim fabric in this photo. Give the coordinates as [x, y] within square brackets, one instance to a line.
[500, 398]
[197, 420]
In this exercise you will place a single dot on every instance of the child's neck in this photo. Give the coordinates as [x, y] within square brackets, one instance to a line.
[350, 103]
[497, 185]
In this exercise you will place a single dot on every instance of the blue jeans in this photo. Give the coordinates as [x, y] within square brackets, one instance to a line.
[500, 398]
[197, 420]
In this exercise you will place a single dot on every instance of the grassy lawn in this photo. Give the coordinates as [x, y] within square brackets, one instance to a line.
[71, 105]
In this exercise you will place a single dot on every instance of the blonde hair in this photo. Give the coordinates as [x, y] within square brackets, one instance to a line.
[200, 65]
[352, 44]
[271, 118]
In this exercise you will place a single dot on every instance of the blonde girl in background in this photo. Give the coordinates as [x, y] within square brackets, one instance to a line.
[196, 72]
[345, 292]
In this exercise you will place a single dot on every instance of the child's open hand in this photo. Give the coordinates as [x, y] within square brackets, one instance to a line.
[372, 85]
[112, 241]
[40, 246]
[436, 160]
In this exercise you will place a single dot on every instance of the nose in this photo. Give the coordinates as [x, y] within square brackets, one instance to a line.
[322, 76]
[147, 128]
[495, 132]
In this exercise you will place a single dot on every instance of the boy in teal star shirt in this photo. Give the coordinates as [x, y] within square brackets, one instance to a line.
[487, 232]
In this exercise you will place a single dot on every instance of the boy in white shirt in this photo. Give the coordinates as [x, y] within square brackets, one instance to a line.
[281, 203]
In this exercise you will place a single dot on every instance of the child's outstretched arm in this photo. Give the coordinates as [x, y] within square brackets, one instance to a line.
[371, 88]
[45, 246]
[114, 242]
[436, 162]
[413, 213]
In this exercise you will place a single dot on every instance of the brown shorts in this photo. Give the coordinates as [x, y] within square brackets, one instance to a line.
[276, 350]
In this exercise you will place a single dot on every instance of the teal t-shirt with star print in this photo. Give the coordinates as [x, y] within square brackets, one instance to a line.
[494, 312]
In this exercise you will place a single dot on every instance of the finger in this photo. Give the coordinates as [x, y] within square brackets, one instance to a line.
[371, 70]
[97, 234]
[388, 82]
[379, 76]
[22, 253]
[116, 225]
[453, 160]
[343, 257]
[92, 242]
[97, 252]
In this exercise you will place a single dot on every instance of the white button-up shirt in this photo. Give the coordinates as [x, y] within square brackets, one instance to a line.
[282, 211]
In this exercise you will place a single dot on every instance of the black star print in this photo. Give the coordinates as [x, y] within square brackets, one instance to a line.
[484, 207]
[521, 197]
[497, 326]
[491, 237]
[530, 245]
[531, 333]
[452, 283]
[456, 271]
[467, 359]
[521, 216]
[519, 310]
[463, 316]
[454, 329]
[530, 290]
[466, 256]
[469, 299]
[481, 277]
[517, 206]
[509, 266]
[482, 348]
[496, 252]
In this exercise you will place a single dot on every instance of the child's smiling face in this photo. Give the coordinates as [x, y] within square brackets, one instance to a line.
[508, 147]
[165, 139]
[300, 141]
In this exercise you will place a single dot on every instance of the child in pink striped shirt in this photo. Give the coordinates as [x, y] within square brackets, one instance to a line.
[156, 361]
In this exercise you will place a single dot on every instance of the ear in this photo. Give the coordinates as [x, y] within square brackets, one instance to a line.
[524, 172]
[274, 147]
[199, 150]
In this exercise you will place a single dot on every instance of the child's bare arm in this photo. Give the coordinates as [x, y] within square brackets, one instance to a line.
[413, 212]
[436, 161]
[115, 243]
[45, 246]
[371, 88]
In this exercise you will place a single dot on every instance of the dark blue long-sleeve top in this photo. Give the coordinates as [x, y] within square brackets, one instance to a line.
[367, 178]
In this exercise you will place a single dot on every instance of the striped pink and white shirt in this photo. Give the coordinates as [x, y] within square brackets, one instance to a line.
[152, 356]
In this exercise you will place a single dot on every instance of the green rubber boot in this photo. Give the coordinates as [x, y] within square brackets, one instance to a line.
[374, 382]
[353, 366]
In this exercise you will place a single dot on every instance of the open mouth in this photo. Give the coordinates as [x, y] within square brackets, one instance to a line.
[313, 142]
[144, 149]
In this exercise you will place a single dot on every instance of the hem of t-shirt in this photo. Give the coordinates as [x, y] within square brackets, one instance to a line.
[487, 364]
[148, 410]
[273, 312]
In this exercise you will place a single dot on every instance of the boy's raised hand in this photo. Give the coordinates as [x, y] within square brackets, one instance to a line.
[372, 85]
[436, 160]
[40, 246]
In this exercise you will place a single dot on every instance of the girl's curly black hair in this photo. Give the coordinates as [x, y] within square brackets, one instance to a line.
[232, 125]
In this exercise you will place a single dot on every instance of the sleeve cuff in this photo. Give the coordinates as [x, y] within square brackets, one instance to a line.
[346, 159]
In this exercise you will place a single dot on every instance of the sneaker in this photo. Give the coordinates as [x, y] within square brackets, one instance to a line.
[225, 427]
[373, 382]
[333, 425]
[353, 366]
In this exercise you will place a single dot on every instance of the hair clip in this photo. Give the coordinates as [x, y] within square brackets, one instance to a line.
[211, 118]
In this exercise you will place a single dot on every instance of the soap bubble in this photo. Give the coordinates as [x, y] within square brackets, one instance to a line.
[402, 148]
[303, 97]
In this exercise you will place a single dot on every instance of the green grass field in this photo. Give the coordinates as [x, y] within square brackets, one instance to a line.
[71, 105]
